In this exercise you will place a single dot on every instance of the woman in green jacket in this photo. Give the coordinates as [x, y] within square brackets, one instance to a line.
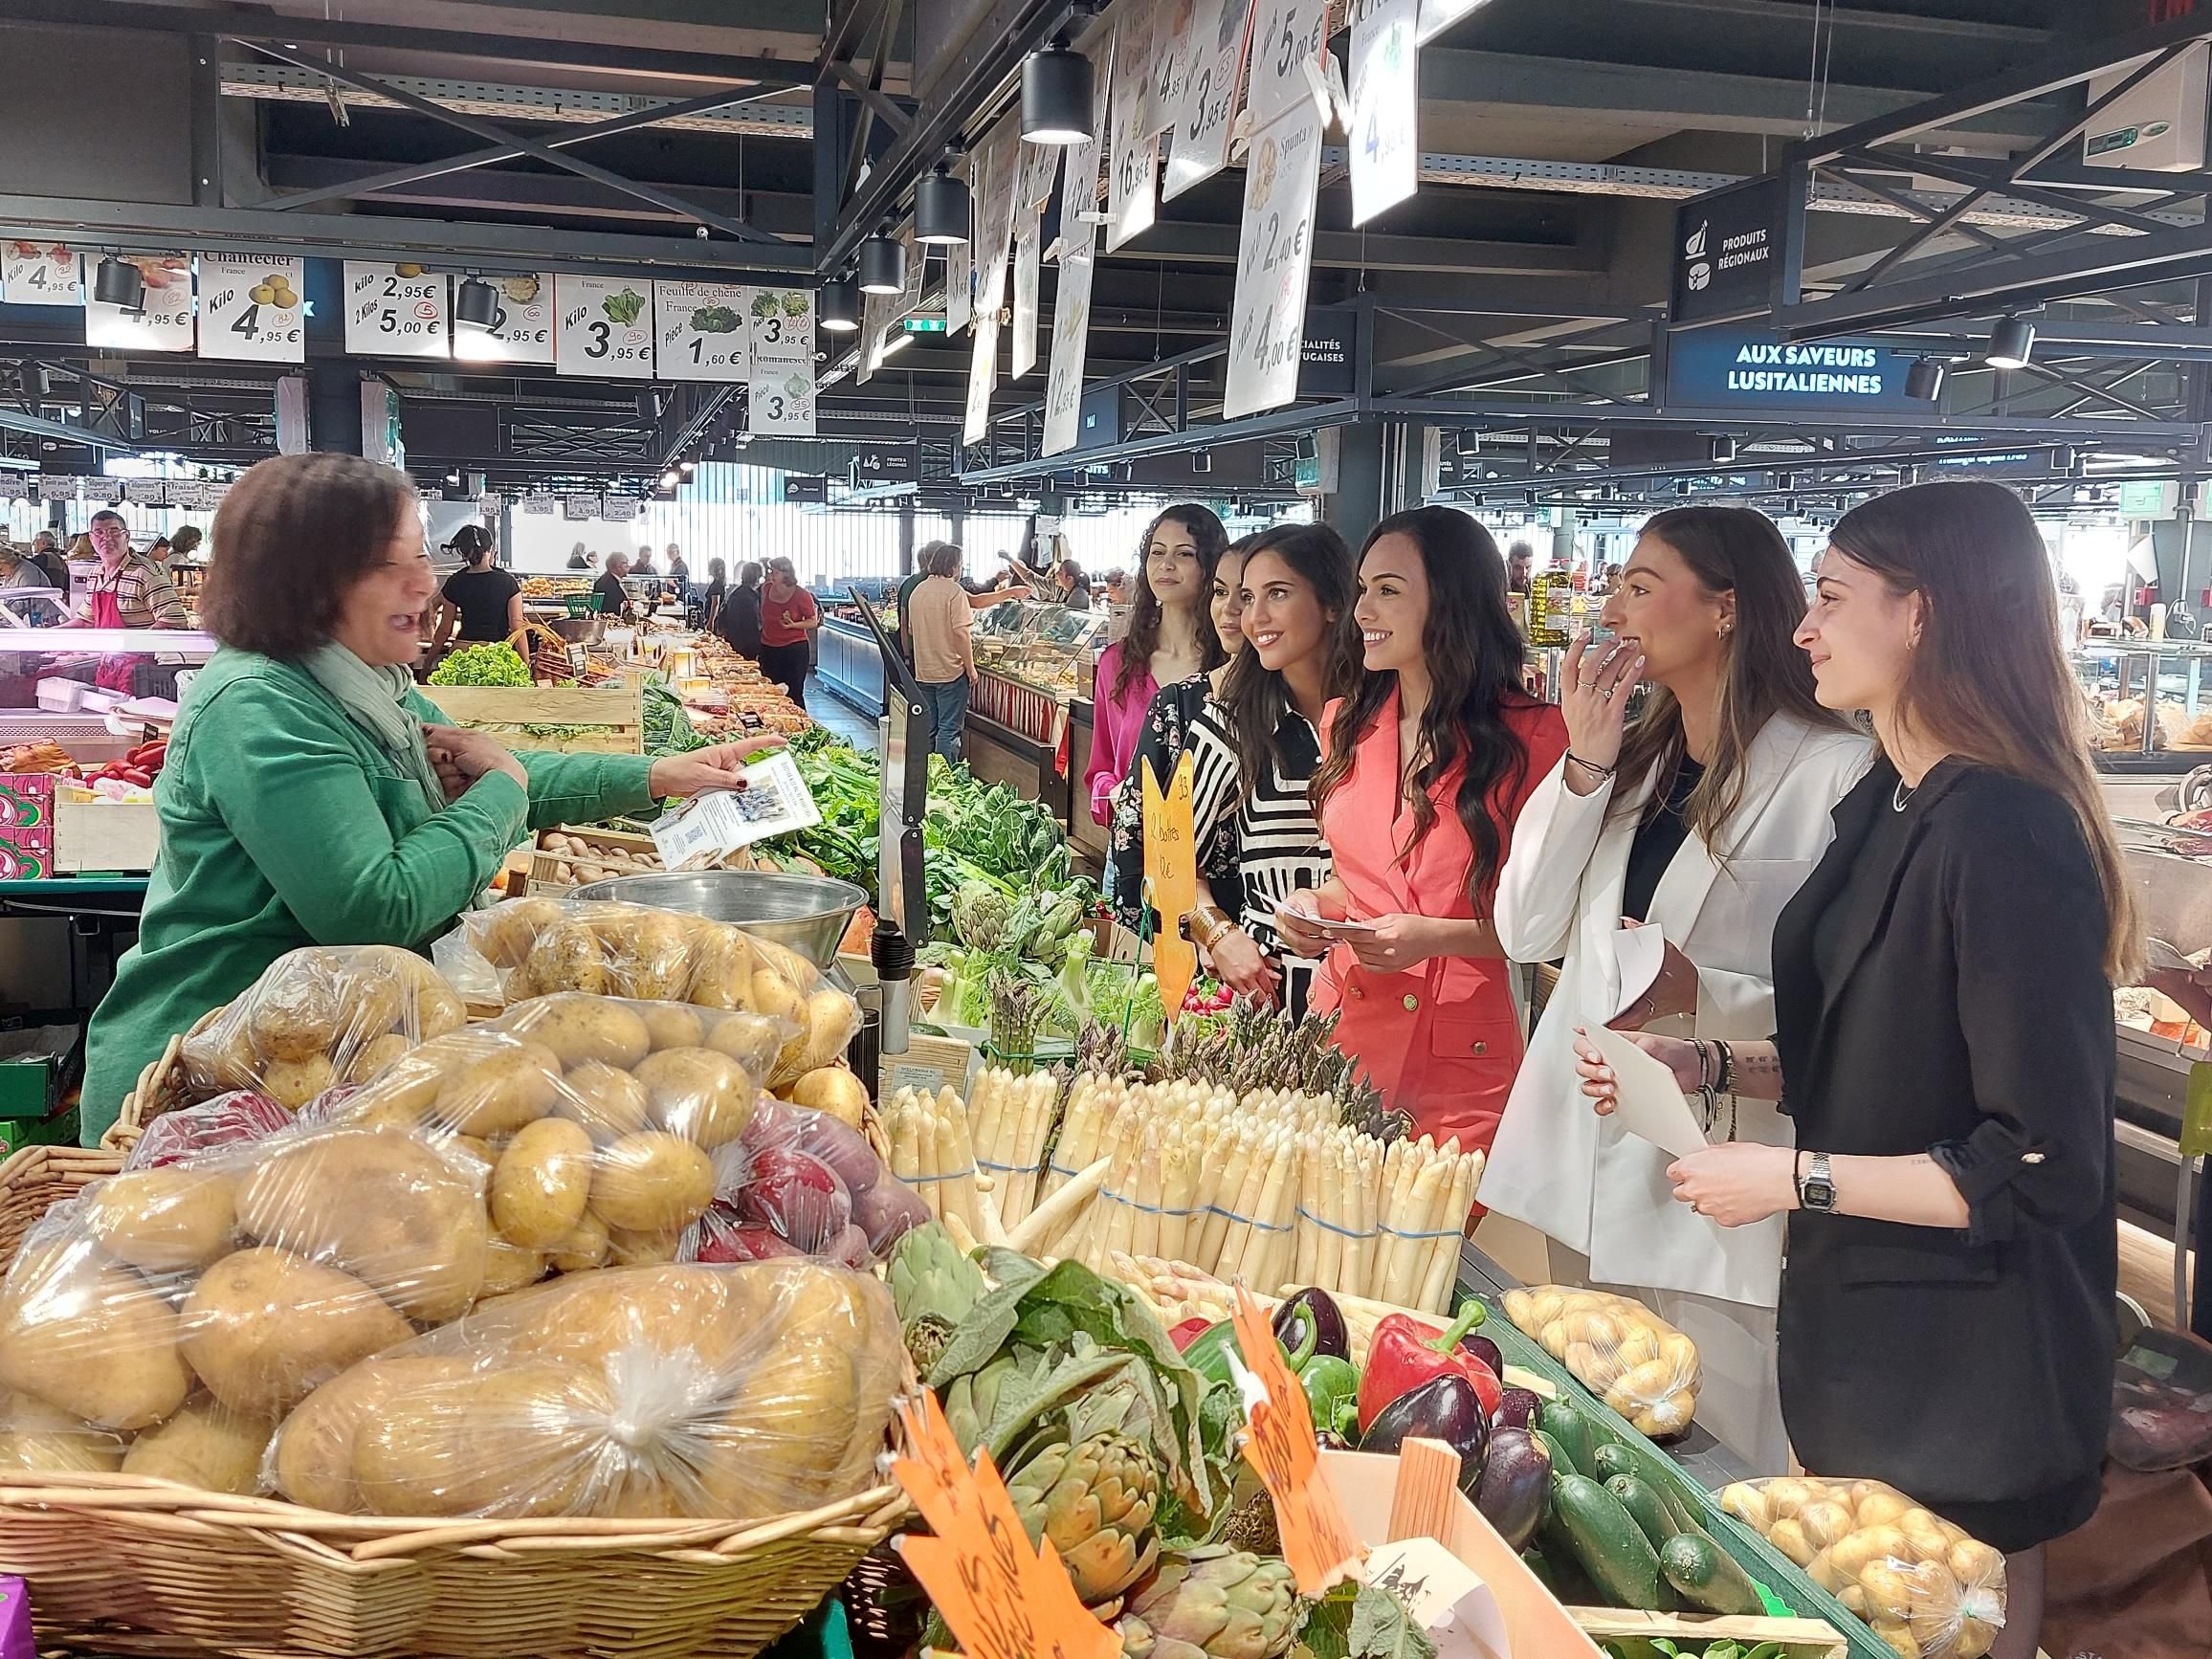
[311, 795]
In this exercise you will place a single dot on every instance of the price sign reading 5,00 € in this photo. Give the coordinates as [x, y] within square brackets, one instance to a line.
[395, 310]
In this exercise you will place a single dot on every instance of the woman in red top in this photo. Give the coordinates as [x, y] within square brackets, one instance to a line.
[789, 619]
[1441, 744]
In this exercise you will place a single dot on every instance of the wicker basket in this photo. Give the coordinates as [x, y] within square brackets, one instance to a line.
[162, 1087]
[38, 1178]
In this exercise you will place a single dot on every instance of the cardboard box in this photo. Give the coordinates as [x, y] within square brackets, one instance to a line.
[25, 801]
[105, 835]
[29, 857]
[60, 1130]
[39, 1067]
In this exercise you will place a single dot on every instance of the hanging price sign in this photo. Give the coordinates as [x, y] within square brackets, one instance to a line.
[1079, 189]
[1071, 343]
[1199, 148]
[41, 273]
[521, 330]
[704, 330]
[602, 325]
[1318, 1541]
[1131, 193]
[395, 310]
[251, 309]
[162, 319]
[1288, 40]
[1274, 259]
[780, 390]
[1385, 103]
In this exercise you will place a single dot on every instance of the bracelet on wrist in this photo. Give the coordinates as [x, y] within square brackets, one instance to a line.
[1590, 766]
[1725, 1081]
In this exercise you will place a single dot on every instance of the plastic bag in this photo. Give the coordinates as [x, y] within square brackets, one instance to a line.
[800, 1182]
[1918, 1580]
[675, 1391]
[535, 947]
[232, 1119]
[1619, 1349]
[322, 1016]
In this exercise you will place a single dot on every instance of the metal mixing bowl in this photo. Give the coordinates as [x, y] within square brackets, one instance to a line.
[807, 912]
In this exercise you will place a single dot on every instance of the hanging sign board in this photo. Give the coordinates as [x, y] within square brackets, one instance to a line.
[705, 330]
[1728, 252]
[165, 321]
[523, 329]
[780, 390]
[1132, 202]
[1729, 369]
[1070, 340]
[1028, 252]
[577, 509]
[250, 310]
[538, 506]
[1199, 148]
[1288, 41]
[1274, 259]
[41, 273]
[602, 325]
[1079, 188]
[959, 262]
[58, 489]
[1385, 106]
[1438, 15]
[1172, 22]
[395, 311]
[618, 509]
[982, 376]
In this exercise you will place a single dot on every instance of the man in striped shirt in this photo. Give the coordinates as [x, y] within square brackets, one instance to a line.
[130, 591]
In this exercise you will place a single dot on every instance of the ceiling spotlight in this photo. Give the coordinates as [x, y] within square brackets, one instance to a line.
[1924, 380]
[2011, 344]
[477, 304]
[1202, 462]
[119, 283]
[837, 308]
[1781, 480]
[1724, 448]
[1787, 507]
[1056, 95]
[940, 209]
[670, 478]
[882, 266]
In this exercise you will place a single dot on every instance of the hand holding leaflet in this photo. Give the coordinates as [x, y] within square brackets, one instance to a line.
[1648, 1102]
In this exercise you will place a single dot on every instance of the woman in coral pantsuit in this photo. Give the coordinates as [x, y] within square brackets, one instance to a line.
[1425, 769]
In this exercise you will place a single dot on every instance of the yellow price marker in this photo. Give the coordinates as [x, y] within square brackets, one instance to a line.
[1171, 883]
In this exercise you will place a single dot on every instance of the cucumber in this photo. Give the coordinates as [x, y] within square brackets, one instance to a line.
[1607, 1541]
[1610, 1460]
[1561, 1463]
[1707, 1574]
[1570, 1430]
[1645, 1507]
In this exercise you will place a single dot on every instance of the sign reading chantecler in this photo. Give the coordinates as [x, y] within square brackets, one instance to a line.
[1728, 249]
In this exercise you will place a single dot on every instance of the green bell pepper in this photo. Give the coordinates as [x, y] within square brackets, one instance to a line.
[1332, 1388]
[1209, 1350]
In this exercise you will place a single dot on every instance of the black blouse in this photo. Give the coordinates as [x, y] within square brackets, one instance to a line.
[1658, 838]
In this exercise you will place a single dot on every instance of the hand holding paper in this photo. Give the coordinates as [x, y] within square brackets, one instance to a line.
[1648, 1098]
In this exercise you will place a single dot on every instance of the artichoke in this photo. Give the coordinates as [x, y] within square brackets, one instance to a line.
[934, 1284]
[979, 914]
[1213, 1603]
[1095, 1500]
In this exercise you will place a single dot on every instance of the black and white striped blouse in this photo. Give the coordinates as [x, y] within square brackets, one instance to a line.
[1279, 844]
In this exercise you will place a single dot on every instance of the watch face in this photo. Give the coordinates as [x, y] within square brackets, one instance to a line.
[1819, 1195]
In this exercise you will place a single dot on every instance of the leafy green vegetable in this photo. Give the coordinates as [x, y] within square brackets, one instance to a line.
[714, 319]
[493, 663]
[1362, 1622]
[625, 307]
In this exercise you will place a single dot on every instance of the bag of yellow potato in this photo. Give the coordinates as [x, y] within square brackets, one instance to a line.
[1618, 1349]
[658, 1392]
[318, 1017]
[535, 947]
[1917, 1581]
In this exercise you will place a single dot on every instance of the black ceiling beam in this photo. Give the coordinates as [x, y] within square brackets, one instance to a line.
[258, 27]
[541, 194]
[1377, 251]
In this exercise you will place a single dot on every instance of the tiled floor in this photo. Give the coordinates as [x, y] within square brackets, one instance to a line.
[839, 717]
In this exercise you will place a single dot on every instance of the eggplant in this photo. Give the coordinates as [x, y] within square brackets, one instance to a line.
[1517, 1409]
[1445, 1408]
[1485, 1350]
[1515, 1485]
[1331, 1335]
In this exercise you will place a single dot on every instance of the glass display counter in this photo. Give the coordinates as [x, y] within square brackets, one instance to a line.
[94, 691]
[2149, 701]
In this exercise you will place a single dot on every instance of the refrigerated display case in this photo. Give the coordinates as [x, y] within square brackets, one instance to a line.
[2149, 703]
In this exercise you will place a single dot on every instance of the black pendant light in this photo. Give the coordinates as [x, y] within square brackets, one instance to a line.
[940, 209]
[1924, 380]
[837, 308]
[119, 283]
[882, 266]
[1724, 448]
[2011, 344]
[477, 304]
[1056, 95]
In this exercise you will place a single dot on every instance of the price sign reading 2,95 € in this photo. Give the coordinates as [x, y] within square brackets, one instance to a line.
[1274, 258]
[602, 325]
[395, 311]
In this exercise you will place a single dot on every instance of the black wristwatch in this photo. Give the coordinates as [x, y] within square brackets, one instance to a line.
[1816, 1187]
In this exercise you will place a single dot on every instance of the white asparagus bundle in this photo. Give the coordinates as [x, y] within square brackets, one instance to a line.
[1442, 1267]
[957, 1152]
[1045, 1224]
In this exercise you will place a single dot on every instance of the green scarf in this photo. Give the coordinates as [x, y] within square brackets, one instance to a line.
[375, 699]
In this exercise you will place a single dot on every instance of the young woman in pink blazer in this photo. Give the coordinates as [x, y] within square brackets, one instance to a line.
[1426, 768]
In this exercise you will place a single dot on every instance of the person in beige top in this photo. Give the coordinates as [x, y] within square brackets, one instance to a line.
[939, 624]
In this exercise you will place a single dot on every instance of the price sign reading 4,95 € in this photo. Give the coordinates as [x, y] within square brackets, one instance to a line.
[251, 309]
[395, 310]
[602, 325]
[1274, 258]
[41, 273]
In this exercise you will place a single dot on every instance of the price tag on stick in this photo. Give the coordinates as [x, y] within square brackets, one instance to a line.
[1001, 1597]
[1171, 882]
[1318, 1541]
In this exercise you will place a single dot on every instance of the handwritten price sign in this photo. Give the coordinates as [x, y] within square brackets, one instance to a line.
[1318, 1541]
[1000, 1597]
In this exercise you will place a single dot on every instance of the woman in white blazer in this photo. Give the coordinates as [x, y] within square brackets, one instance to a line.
[1701, 819]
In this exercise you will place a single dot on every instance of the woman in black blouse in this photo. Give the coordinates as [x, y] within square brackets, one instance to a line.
[1944, 1041]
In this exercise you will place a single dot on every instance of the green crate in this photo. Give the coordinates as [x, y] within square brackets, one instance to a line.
[1781, 1576]
[38, 1066]
[60, 1130]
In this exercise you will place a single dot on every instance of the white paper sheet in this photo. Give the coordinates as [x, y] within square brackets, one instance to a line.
[1651, 1105]
[1641, 952]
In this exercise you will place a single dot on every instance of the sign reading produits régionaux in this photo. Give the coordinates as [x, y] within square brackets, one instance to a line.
[1728, 246]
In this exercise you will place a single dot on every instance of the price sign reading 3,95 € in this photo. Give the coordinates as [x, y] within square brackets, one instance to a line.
[395, 310]
[602, 325]
[251, 309]
[1274, 258]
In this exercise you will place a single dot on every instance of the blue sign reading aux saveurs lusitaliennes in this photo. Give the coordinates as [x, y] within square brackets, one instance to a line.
[1721, 368]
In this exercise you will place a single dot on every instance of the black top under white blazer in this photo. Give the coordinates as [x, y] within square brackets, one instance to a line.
[1964, 1013]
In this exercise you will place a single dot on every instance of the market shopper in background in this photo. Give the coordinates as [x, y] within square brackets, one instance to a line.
[1520, 568]
[46, 554]
[577, 560]
[310, 794]
[613, 596]
[1255, 749]
[128, 590]
[789, 620]
[678, 572]
[1945, 1043]
[740, 620]
[1700, 818]
[718, 590]
[479, 602]
[1170, 639]
[1069, 586]
[1426, 768]
[939, 625]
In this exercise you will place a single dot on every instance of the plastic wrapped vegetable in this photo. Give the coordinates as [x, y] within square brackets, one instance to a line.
[1619, 1349]
[321, 1016]
[801, 1183]
[233, 1120]
[653, 1392]
[1918, 1580]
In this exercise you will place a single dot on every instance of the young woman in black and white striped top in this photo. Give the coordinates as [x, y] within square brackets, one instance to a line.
[1254, 750]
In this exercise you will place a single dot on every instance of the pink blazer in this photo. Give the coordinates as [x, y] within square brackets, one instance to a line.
[1442, 1040]
[1115, 724]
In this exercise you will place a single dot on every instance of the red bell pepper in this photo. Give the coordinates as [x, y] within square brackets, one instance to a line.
[1404, 1353]
[1188, 1332]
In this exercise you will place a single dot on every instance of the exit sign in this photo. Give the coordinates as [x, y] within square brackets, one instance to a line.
[925, 325]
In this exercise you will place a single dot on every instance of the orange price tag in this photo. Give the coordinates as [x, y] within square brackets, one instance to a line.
[1000, 1597]
[1318, 1541]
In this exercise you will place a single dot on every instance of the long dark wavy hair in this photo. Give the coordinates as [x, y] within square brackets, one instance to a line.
[1144, 636]
[1255, 696]
[1475, 657]
[1762, 673]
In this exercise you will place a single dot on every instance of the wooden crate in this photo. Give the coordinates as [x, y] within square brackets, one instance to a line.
[619, 710]
[550, 876]
[1799, 1638]
[104, 835]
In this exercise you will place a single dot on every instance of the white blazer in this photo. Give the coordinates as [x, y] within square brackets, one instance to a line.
[1555, 1164]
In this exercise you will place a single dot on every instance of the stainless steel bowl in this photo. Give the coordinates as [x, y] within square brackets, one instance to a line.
[807, 912]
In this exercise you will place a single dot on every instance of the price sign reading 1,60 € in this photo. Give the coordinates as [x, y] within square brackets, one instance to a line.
[1274, 258]
[705, 330]
[602, 325]
[251, 309]
[395, 310]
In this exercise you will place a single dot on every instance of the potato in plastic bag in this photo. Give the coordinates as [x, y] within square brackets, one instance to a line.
[1917, 1581]
[34, 1435]
[84, 1334]
[657, 1392]
[538, 947]
[1616, 1347]
[321, 1016]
